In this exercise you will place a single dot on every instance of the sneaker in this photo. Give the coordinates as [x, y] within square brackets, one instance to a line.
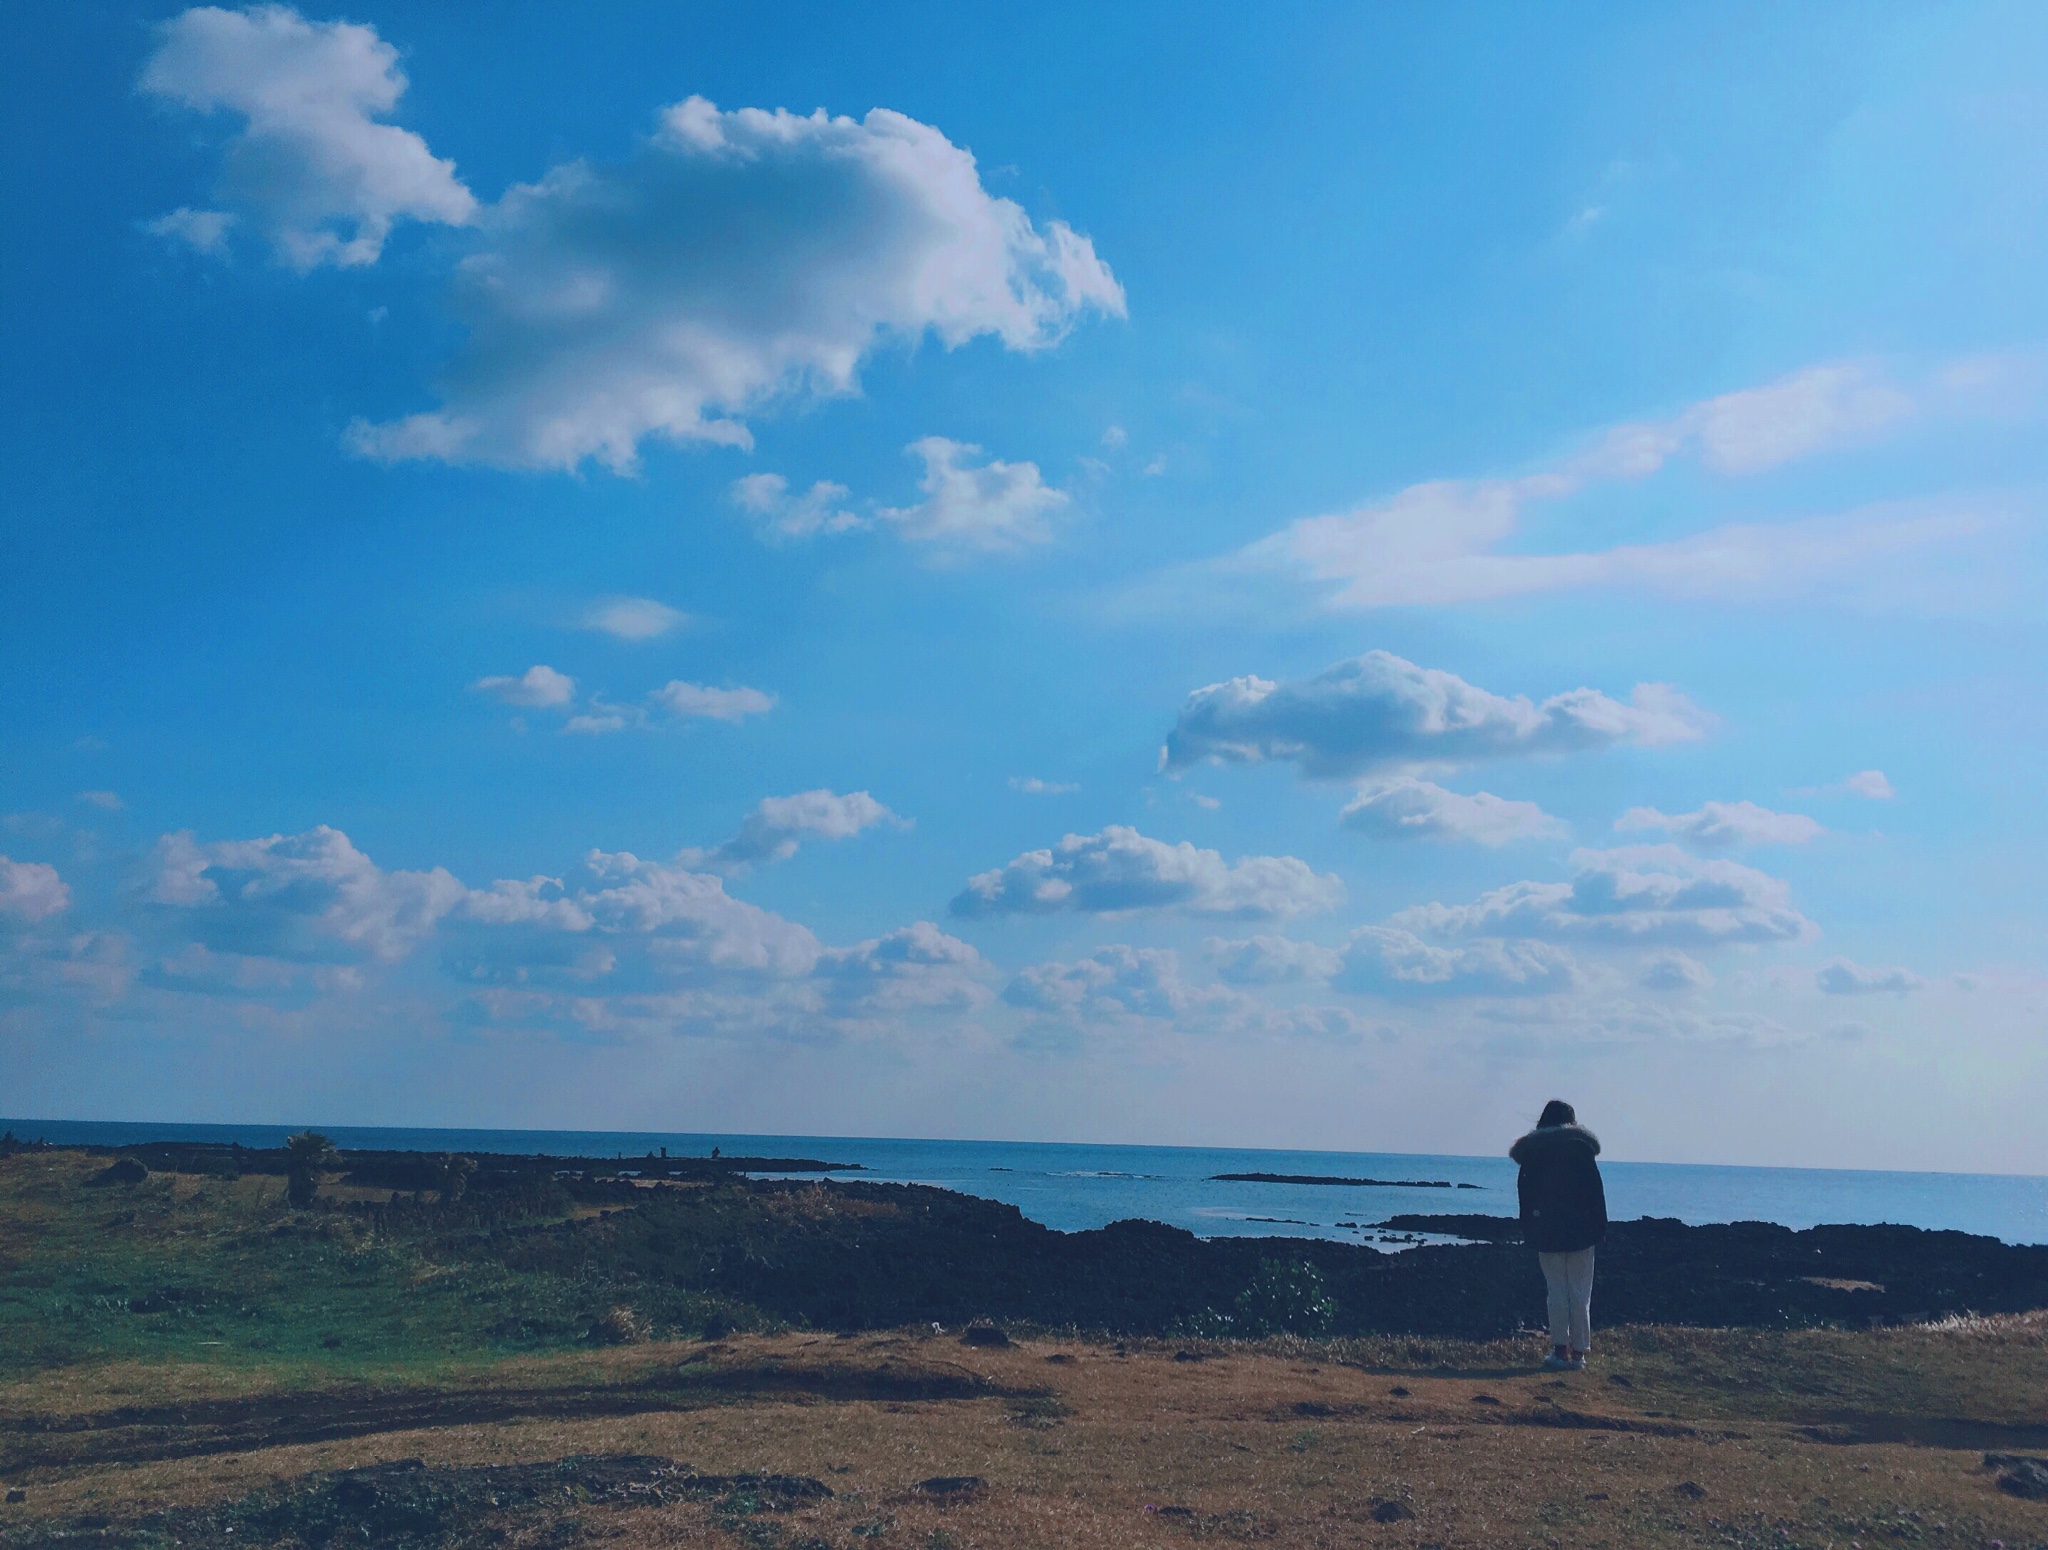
[1577, 1361]
[1559, 1360]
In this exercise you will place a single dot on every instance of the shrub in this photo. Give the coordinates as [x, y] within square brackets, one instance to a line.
[1286, 1296]
[306, 1154]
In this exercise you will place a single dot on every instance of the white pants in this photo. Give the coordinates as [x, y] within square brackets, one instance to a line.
[1570, 1279]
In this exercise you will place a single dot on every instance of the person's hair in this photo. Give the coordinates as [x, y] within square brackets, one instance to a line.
[1557, 1112]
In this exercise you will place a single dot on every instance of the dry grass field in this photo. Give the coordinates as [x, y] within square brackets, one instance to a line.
[1671, 1438]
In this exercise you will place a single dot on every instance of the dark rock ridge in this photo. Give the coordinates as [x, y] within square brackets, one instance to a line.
[855, 1255]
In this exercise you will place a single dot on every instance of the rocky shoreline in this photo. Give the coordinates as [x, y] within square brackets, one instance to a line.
[849, 1255]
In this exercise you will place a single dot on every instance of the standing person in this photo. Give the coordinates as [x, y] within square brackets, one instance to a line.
[1564, 1214]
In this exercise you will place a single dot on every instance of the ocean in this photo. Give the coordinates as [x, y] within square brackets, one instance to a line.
[1074, 1187]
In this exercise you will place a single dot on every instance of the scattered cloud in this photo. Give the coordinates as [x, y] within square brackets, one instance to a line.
[780, 517]
[1840, 977]
[1406, 808]
[1031, 785]
[1724, 825]
[1120, 870]
[778, 825]
[311, 165]
[540, 687]
[1646, 894]
[1271, 960]
[913, 968]
[633, 618]
[694, 700]
[737, 258]
[1112, 981]
[1379, 711]
[31, 891]
[1115, 437]
[993, 507]
[1447, 540]
[1674, 971]
[105, 801]
[601, 716]
[203, 231]
[1388, 961]
[1871, 784]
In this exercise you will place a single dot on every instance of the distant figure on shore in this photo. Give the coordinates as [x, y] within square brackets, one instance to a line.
[1564, 1214]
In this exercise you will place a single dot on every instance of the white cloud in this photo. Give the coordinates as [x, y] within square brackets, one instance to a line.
[993, 507]
[633, 618]
[1120, 870]
[310, 897]
[601, 716]
[674, 920]
[539, 687]
[1442, 541]
[31, 890]
[1389, 961]
[105, 801]
[778, 825]
[780, 516]
[1674, 971]
[695, 700]
[915, 967]
[1407, 808]
[204, 231]
[1138, 981]
[311, 164]
[1379, 711]
[1271, 960]
[1115, 437]
[738, 257]
[1643, 894]
[1031, 785]
[1723, 825]
[1871, 784]
[1840, 977]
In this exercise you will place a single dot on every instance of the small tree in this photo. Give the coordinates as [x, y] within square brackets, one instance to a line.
[1286, 1296]
[306, 1154]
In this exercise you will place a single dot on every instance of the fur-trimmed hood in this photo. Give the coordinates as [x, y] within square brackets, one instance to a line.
[1553, 1141]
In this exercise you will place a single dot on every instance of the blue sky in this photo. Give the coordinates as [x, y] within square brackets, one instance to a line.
[1301, 578]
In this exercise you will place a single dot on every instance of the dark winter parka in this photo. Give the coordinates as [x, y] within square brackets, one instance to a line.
[1564, 1204]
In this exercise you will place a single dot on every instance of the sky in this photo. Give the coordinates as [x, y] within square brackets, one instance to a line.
[1305, 577]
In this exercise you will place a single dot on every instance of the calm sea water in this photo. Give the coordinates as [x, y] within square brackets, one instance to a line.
[1072, 1187]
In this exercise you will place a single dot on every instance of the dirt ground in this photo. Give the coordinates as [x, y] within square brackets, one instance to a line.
[1671, 1437]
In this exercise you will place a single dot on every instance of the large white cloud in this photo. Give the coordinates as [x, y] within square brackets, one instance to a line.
[1647, 894]
[1385, 960]
[1404, 808]
[736, 258]
[309, 897]
[1723, 825]
[312, 166]
[31, 890]
[1120, 870]
[1379, 711]
[777, 825]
